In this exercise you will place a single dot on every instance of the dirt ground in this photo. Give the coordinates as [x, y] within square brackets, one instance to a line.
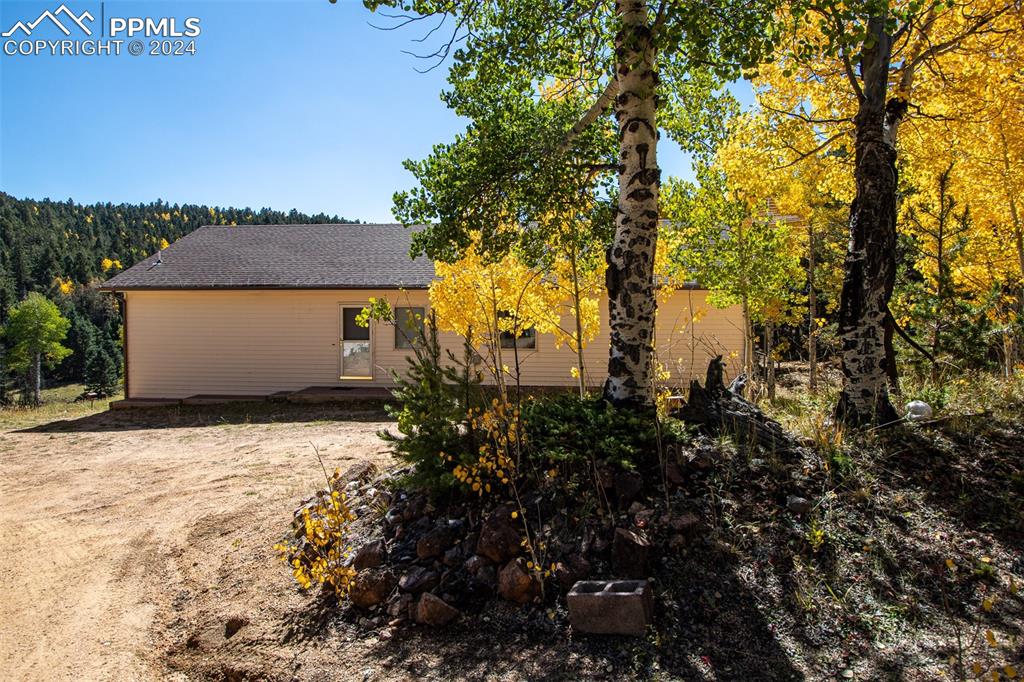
[132, 536]
[138, 546]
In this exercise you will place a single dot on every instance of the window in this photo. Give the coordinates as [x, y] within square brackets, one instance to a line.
[356, 361]
[408, 327]
[527, 337]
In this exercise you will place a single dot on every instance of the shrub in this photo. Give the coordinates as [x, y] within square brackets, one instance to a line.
[626, 438]
[457, 439]
[319, 552]
[434, 412]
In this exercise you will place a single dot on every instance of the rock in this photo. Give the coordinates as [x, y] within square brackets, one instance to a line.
[416, 507]
[468, 543]
[393, 517]
[371, 587]
[798, 505]
[571, 570]
[630, 552]
[474, 563]
[674, 474]
[643, 518]
[419, 579]
[517, 583]
[452, 558]
[703, 459]
[399, 605]
[377, 497]
[488, 576]
[360, 472]
[434, 542]
[499, 540]
[434, 611]
[687, 522]
[627, 486]
[370, 555]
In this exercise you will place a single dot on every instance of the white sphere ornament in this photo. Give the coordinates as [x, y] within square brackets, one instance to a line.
[918, 410]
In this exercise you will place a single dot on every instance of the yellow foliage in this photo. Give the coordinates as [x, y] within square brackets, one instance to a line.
[502, 438]
[64, 285]
[320, 556]
[480, 300]
[797, 148]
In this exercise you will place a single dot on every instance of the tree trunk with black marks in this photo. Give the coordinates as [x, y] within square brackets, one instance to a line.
[1010, 342]
[812, 312]
[865, 326]
[630, 274]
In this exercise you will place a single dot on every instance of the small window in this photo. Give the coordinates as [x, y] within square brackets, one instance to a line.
[408, 327]
[355, 346]
[527, 337]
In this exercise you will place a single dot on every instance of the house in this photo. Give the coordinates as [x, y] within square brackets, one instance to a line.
[260, 310]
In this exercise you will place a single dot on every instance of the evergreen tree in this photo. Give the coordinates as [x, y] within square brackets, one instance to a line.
[102, 371]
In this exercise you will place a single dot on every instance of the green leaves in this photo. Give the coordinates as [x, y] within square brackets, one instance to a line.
[736, 253]
[35, 327]
[525, 72]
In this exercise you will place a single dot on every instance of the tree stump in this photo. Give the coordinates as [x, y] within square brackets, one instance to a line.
[719, 409]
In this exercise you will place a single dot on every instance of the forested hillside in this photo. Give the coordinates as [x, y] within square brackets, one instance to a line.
[62, 250]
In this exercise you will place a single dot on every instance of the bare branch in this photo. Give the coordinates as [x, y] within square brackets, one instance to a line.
[803, 155]
[600, 105]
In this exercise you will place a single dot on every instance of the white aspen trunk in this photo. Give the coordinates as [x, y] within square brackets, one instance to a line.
[748, 340]
[630, 274]
[579, 324]
[865, 326]
[812, 312]
[37, 380]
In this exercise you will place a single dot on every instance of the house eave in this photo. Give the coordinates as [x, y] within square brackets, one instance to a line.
[263, 287]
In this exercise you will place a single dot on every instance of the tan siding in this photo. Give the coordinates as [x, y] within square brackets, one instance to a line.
[184, 343]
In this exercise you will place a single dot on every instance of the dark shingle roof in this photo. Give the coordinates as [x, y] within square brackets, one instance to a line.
[283, 257]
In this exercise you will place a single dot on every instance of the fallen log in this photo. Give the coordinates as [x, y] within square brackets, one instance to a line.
[722, 410]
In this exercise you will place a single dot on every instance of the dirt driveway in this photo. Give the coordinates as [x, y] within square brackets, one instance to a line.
[130, 537]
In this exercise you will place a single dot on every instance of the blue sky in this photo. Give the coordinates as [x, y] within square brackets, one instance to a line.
[287, 104]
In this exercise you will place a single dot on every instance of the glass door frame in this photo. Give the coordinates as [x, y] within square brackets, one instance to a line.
[341, 343]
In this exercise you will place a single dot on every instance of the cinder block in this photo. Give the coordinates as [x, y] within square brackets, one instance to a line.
[610, 607]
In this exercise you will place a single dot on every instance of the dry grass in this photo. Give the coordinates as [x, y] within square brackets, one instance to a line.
[59, 402]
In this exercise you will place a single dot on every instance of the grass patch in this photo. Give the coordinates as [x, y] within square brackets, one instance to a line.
[59, 402]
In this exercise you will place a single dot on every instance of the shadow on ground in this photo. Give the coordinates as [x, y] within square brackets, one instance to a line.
[188, 416]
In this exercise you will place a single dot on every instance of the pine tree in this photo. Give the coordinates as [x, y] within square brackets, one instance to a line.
[102, 372]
